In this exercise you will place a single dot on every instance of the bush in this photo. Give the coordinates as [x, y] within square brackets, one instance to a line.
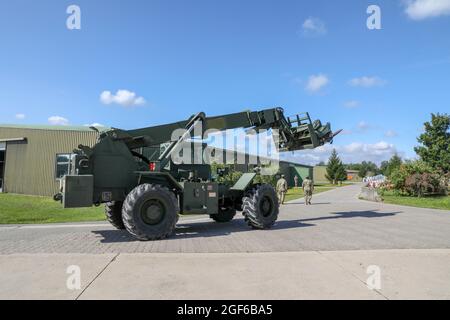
[423, 184]
[416, 179]
[230, 178]
[397, 180]
[272, 180]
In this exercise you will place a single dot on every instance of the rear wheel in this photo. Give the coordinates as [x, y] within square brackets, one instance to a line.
[113, 212]
[261, 207]
[224, 215]
[150, 212]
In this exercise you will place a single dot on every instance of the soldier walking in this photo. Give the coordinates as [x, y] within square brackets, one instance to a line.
[308, 188]
[282, 187]
[296, 181]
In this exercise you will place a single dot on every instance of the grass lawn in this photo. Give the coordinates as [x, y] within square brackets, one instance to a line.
[297, 193]
[425, 202]
[20, 209]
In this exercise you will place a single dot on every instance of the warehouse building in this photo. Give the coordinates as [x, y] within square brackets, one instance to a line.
[33, 159]
[291, 169]
[321, 171]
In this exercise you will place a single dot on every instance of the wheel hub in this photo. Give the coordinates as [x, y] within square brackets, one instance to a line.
[153, 212]
[266, 206]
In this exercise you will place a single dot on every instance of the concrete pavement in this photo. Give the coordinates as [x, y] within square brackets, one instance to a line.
[320, 251]
[405, 274]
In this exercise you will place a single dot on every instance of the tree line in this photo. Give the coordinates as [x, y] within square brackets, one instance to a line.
[428, 174]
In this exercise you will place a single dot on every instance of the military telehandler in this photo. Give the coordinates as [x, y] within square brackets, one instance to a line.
[145, 195]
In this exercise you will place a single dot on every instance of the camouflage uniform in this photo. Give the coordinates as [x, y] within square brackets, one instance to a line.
[308, 188]
[282, 188]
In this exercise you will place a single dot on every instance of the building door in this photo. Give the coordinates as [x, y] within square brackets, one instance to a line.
[2, 164]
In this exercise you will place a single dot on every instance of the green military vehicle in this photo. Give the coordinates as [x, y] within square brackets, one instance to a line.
[146, 196]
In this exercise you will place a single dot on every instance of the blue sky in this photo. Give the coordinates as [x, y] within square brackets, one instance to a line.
[182, 57]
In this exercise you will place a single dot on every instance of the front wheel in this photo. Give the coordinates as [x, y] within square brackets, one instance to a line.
[261, 207]
[150, 212]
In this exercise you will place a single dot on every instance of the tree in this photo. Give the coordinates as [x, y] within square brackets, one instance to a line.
[384, 167]
[363, 170]
[341, 174]
[390, 166]
[353, 166]
[367, 167]
[335, 169]
[435, 143]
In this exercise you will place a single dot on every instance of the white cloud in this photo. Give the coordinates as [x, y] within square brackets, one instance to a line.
[346, 132]
[352, 153]
[313, 27]
[367, 82]
[124, 98]
[316, 83]
[352, 104]
[57, 120]
[363, 125]
[423, 9]
[95, 124]
[390, 134]
[20, 116]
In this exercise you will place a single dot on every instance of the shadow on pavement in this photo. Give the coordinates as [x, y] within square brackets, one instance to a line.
[199, 230]
[214, 229]
[354, 214]
[303, 203]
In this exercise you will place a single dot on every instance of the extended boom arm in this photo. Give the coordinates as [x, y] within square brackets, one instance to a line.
[295, 134]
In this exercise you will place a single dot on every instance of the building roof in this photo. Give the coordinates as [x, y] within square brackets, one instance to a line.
[296, 164]
[51, 127]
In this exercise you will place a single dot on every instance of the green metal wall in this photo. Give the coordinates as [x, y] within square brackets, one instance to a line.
[301, 172]
[321, 171]
[30, 166]
[290, 170]
[319, 174]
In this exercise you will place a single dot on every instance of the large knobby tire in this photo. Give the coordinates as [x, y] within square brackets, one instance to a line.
[113, 212]
[150, 212]
[224, 215]
[261, 207]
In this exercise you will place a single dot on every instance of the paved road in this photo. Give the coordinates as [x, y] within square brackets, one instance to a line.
[317, 252]
[405, 274]
[336, 221]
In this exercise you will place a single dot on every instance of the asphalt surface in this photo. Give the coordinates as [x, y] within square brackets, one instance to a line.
[337, 220]
[324, 251]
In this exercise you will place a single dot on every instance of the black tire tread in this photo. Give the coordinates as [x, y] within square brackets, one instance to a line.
[224, 215]
[250, 208]
[127, 212]
[113, 212]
